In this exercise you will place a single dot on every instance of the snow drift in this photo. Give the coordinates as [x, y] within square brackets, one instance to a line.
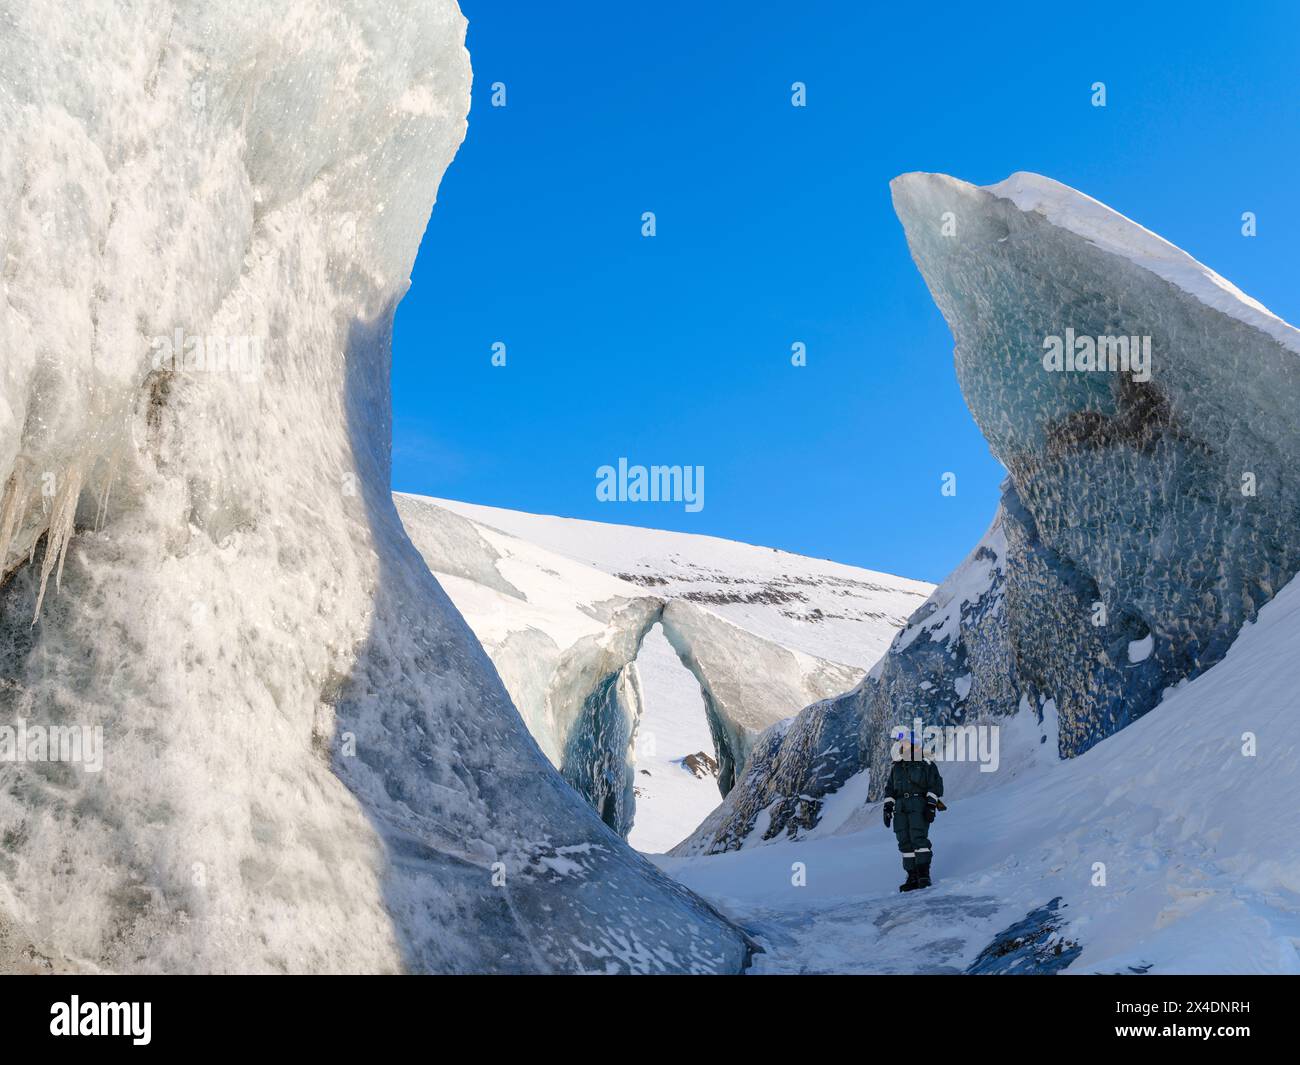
[1143, 521]
[309, 762]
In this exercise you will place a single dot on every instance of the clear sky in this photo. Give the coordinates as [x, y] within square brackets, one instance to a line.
[774, 225]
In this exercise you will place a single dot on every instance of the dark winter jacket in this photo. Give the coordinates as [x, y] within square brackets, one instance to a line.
[911, 781]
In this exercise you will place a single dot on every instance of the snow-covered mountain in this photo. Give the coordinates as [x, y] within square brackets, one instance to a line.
[828, 609]
[629, 651]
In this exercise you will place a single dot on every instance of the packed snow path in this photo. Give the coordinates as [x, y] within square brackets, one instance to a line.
[930, 933]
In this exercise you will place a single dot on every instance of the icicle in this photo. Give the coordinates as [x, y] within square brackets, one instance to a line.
[101, 505]
[62, 520]
[13, 508]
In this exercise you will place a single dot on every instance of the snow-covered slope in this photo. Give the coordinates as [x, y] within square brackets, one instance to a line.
[309, 763]
[675, 788]
[563, 634]
[1148, 513]
[827, 609]
[1173, 847]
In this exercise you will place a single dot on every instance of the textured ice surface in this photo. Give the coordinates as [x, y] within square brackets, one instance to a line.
[1142, 523]
[1030, 947]
[310, 763]
[1132, 493]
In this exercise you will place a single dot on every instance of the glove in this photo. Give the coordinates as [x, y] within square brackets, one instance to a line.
[931, 808]
[889, 811]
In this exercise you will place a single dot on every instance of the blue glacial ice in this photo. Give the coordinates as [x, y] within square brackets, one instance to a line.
[1147, 516]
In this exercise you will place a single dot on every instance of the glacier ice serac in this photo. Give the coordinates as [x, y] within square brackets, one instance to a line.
[1142, 522]
[310, 764]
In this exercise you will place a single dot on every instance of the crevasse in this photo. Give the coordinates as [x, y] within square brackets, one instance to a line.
[564, 637]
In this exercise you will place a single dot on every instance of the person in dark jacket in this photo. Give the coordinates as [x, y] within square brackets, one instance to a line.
[912, 797]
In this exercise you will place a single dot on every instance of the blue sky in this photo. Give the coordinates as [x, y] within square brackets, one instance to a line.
[775, 226]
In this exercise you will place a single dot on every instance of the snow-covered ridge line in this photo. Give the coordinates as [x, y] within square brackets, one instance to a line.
[830, 610]
[1113, 232]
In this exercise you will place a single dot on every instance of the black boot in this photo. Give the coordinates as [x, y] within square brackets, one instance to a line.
[912, 882]
[923, 877]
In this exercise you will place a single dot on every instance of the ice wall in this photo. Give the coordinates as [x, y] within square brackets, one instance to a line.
[1168, 507]
[1148, 514]
[309, 763]
[748, 683]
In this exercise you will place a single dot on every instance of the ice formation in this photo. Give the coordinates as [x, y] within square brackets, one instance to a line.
[676, 779]
[564, 636]
[1153, 514]
[749, 683]
[310, 764]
